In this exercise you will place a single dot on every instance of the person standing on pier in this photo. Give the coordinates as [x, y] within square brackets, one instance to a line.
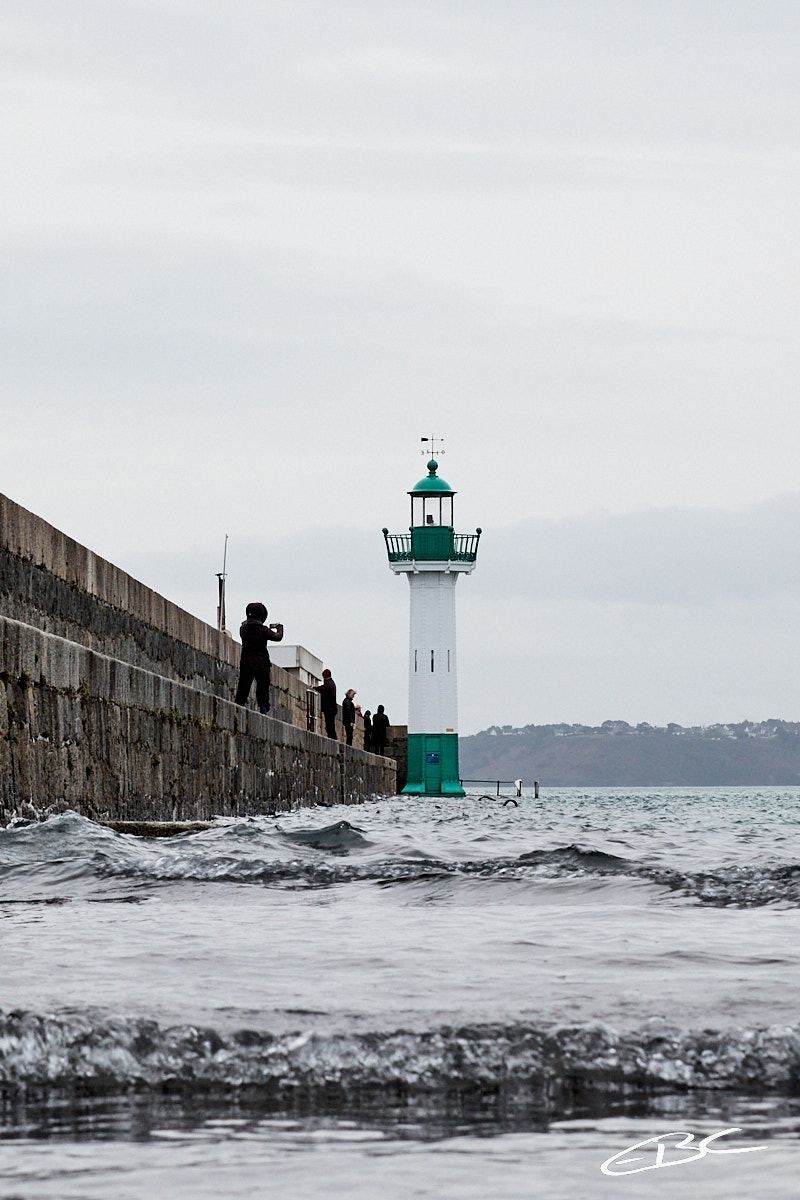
[349, 714]
[327, 702]
[255, 662]
[367, 730]
[380, 727]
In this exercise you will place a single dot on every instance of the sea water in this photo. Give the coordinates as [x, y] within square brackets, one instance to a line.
[408, 998]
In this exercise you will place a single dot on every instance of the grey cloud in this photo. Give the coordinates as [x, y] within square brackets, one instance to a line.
[652, 556]
[326, 560]
[202, 328]
[722, 70]
[657, 556]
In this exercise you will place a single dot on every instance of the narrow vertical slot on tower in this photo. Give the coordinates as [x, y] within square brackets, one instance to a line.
[415, 661]
[431, 660]
[448, 662]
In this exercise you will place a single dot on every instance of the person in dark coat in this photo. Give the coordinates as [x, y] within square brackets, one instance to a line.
[327, 701]
[367, 730]
[380, 726]
[349, 714]
[254, 663]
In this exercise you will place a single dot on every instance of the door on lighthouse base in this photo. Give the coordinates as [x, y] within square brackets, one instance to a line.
[433, 766]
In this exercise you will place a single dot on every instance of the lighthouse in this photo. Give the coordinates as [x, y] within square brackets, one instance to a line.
[432, 556]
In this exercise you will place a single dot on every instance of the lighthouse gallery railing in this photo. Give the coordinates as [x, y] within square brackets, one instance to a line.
[462, 548]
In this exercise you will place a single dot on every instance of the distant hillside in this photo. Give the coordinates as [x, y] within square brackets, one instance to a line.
[617, 754]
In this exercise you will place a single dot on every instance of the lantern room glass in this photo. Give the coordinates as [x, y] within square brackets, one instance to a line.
[435, 509]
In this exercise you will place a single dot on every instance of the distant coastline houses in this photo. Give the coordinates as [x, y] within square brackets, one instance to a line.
[771, 728]
[617, 754]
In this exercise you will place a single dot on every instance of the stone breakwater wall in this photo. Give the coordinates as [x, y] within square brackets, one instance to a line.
[119, 704]
[53, 583]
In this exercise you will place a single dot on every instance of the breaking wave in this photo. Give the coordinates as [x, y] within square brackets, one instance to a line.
[748, 886]
[339, 838]
[57, 853]
[112, 1054]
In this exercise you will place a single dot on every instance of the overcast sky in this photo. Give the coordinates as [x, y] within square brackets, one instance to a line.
[252, 251]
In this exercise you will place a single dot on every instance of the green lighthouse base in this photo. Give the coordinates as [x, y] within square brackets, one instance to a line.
[433, 765]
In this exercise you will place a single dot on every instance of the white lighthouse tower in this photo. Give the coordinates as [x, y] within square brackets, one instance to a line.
[432, 557]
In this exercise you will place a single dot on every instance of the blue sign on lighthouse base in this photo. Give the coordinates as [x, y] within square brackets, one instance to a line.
[433, 765]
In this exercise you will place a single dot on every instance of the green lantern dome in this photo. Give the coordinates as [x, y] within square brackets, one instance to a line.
[432, 484]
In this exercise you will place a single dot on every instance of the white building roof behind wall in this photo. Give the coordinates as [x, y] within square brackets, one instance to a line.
[298, 661]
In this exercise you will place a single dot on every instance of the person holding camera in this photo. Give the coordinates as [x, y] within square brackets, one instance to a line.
[255, 662]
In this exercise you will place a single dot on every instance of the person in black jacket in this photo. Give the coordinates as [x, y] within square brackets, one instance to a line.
[380, 725]
[367, 730]
[327, 702]
[349, 714]
[255, 662]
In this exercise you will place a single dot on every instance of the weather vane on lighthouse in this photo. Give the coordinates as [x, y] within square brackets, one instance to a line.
[432, 556]
[431, 446]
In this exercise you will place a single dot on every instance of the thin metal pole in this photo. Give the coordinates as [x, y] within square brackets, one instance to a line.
[222, 576]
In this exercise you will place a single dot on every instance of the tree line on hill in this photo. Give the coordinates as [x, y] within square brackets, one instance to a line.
[617, 754]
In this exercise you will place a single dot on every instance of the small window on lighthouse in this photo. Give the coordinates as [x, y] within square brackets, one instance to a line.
[431, 660]
[415, 660]
[431, 510]
[448, 660]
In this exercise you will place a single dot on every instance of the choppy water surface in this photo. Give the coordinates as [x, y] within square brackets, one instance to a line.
[412, 997]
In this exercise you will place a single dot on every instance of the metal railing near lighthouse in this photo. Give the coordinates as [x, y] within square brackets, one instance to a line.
[515, 783]
[456, 547]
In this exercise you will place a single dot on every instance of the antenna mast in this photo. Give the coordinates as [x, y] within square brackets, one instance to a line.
[222, 576]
